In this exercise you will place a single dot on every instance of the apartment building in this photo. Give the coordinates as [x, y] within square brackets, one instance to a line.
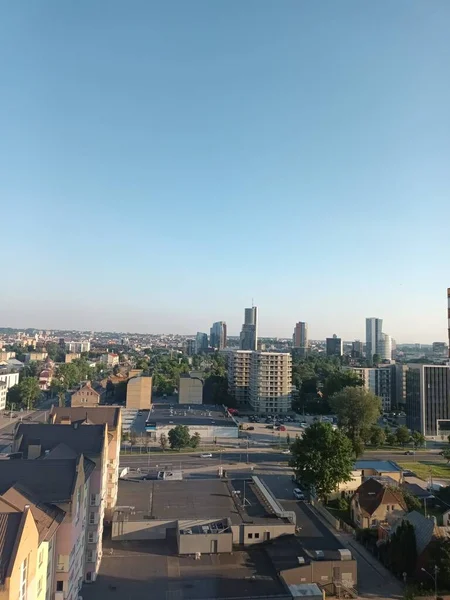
[56, 491]
[381, 381]
[239, 363]
[109, 359]
[86, 396]
[78, 347]
[38, 441]
[35, 357]
[99, 415]
[71, 356]
[270, 382]
[18, 554]
[3, 392]
[9, 376]
[428, 399]
[334, 346]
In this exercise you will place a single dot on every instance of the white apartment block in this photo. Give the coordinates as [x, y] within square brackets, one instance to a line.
[11, 378]
[381, 381]
[270, 382]
[239, 363]
[3, 391]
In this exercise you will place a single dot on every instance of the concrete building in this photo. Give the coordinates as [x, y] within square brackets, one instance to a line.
[9, 376]
[400, 384]
[357, 349]
[428, 399]
[300, 337]
[64, 485]
[201, 342]
[35, 357]
[270, 382]
[5, 355]
[374, 502]
[109, 359]
[190, 388]
[139, 393]
[385, 347]
[249, 334]
[40, 442]
[206, 516]
[99, 415]
[190, 347]
[3, 392]
[71, 356]
[86, 395]
[374, 328]
[239, 363]
[78, 347]
[218, 335]
[382, 381]
[334, 346]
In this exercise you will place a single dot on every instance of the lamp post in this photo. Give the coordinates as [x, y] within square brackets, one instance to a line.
[434, 578]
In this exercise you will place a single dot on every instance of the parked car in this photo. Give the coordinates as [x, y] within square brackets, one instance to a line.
[409, 452]
[250, 428]
[281, 428]
[269, 426]
[206, 455]
[298, 494]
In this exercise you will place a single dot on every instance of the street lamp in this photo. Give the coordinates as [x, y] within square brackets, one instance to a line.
[434, 578]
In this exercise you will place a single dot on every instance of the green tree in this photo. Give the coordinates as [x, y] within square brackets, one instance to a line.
[376, 359]
[412, 502]
[179, 437]
[446, 454]
[163, 441]
[402, 554]
[195, 440]
[120, 392]
[25, 394]
[377, 436]
[288, 439]
[322, 458]
[337, 381]
[418, 439]
[402, 435]
[141, 363]
[439, 558]
[357, 409]
[391, 440]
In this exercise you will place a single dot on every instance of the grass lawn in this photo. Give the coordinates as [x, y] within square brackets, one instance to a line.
[422, 469]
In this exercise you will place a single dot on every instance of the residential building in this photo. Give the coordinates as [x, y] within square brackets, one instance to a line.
[374, 329]
[78, 347]
[3, 392]
[18, 554]
[9, 376]
[45, 379]
[109, 359]
[439, 348]
[300, 337]
[239, 362]
[64, 484]
[43, 441]
[249, 333]
[86, 395]
[47, 518]
[374, 503]
[99, 415]
[334, 346]
[428, 399]
[5, 355]
[218, 335]
[201, 342]
[139, 393]
[35, 357]
[190, 389]
[382, 381]
[357, 349]
[270, 382]
[400, 384]
[71, 356]
[448, 315]
[190, 347]
[385, 347]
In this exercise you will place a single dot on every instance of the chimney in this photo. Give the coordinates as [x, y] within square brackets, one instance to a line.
[34, 449]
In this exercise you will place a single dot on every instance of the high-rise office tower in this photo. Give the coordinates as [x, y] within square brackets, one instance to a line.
[334, 346]
[218, 335]
[357, 349]
[428, 399]
[300, 337]
[270, 382]
[374, 327]
[249, 332]
[384, 347]
[201, 342]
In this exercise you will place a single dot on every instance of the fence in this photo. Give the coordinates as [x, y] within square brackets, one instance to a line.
[338, 524]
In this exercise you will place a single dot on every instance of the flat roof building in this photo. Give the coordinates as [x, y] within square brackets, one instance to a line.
[190, 388]
[139, 393]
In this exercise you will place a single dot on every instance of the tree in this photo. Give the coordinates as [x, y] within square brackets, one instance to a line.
[391, 440]
[357, 410]
[402, 435]
[446, 454]
[377, 436]
[412, 502]
[336, 382]
[25, 394]
[322, 458]
[288, 439]
[439, 557]
[195, 440]
[401, 552]
[163, 441]
[418, 439]
[132, 438]
[179, 437]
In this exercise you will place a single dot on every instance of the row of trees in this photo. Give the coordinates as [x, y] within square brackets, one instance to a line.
[179, 437]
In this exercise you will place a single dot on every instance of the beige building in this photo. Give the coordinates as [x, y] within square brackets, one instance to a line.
[139, 393]
[374, 503]
[5, 355]
[109, 359]
[35, 356]
[270, 382]
[70, 356]
[239, 363]
[112, 417]
[86, 396]
[190, 389]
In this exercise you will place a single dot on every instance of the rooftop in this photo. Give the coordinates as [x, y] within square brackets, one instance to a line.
[378, 465]
[94, 415]
[82, 440]
[9, 529]
[181, 414]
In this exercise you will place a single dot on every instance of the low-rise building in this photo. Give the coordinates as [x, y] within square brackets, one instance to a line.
[374, 503]
[190, 388]
[35, 356]
[86, 395]
[71, 356]
[109, 359]
[5, 355]
[3, 392]
[139, 393]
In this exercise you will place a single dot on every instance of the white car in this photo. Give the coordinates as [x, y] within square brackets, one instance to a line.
[286, 452]
[206, 455]
[298, 494]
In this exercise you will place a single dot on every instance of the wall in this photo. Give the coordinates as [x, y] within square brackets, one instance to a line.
[10, 379]
[189, 544]
[190, 390]
[85, 397]
[113, 468]
[147, 529]
[322, 572]
[262, 532]
[206, 432]
[139, 393]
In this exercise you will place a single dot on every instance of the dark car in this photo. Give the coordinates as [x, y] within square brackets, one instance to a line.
[250, 428]
[269, 426]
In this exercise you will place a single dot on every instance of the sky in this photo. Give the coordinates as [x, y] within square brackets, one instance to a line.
[163, 164]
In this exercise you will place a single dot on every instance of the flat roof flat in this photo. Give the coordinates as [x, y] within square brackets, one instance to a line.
[378, 465]
[190, 414]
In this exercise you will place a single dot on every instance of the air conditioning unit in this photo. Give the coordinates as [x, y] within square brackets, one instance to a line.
[301, 560]
[319, 554]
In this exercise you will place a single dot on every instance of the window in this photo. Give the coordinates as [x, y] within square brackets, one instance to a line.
[41, 556]
[60, 586]
[39, 588]
[93, 499]
[257, 536]
[90, 536]
[90, 556]
[250, 536]
[91, 518]
[89, 576]
[23, 580]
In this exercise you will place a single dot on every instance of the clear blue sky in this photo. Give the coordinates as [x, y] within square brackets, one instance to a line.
[163, 163]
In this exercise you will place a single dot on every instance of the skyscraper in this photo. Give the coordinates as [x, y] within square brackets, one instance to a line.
[384, 348]
[201, 342]
[448, 313]
[218, 335]
[300, 337]
[374, 327]
[249, 332]
[334, 346]
[270, 382]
